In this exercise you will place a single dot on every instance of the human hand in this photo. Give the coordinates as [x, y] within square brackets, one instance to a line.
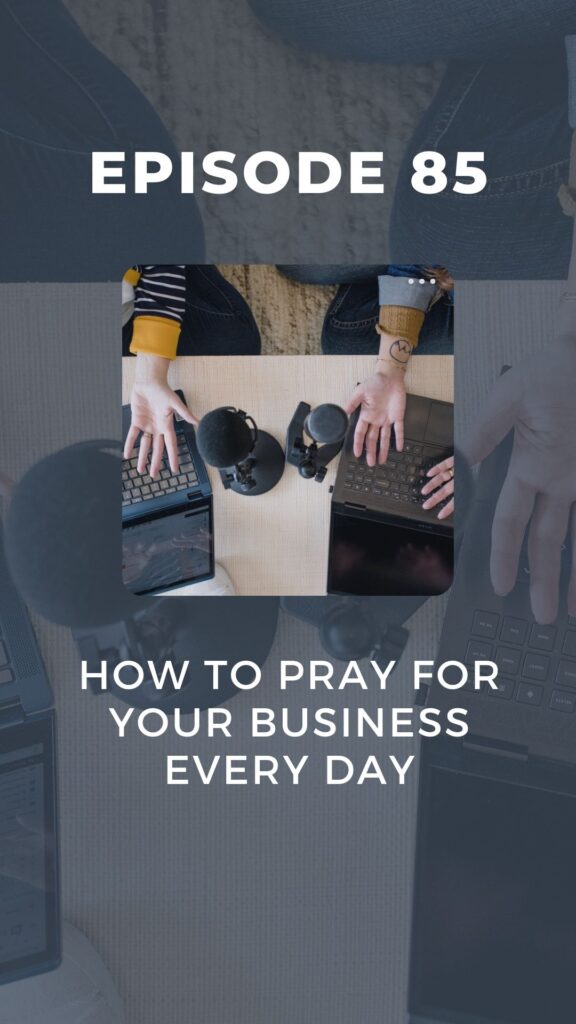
[153, 406]
[440, 486]
[536, 399]
[382, 401]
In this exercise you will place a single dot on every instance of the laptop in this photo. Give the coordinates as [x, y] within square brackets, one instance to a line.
[30, 926]
[382, 542]
[494, 915]
[167, 524]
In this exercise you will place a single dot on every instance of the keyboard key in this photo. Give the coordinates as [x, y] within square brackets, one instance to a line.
[477, 650]
[505, 688]
[6, 676]
[561, 700]
[536, 666]
[569, 645]
[542, 637]
[566, 674]
[485, 624]
[529, 694]
[513, 630]
[3, 654]
[508, 660]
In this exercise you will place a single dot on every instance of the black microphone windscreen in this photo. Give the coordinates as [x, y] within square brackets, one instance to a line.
[224, 438]
[63, 538]
[327, 423]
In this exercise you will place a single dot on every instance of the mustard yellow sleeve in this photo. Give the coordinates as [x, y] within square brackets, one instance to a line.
[132, 276]
[155, 336]
[402, 322]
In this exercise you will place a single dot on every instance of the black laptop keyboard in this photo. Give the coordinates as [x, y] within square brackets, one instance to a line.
[401, 478]
[136, 488]
[6, 673]
[536, 664]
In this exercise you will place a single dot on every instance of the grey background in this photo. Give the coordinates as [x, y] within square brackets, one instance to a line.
[237, 905]
[243, 90]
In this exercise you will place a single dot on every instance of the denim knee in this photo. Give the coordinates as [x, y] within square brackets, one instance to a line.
[342, 31]
[329, 274]
[394, 32]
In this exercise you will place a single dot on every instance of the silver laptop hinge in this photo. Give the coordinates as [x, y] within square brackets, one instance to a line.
[498, 748]
[11, 713]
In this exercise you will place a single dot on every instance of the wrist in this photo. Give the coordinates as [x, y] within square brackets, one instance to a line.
[385, 368]
[393, 357]
[151, 369]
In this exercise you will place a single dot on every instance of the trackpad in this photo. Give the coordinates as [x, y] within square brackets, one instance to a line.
[440, 427]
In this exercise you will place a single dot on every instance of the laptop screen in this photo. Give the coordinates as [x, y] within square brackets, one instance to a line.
[495, 904]
[29, 917]
[376, 558]
[168, 550]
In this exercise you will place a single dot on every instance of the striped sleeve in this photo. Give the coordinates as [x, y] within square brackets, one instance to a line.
[159, 307]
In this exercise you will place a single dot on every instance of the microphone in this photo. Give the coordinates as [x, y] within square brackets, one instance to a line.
[224, 437]
[63, 541]
[326, 425]
[63, 546]
[352, 628]
[250, 460]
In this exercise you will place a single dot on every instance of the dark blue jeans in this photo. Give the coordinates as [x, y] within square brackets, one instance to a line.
[350, 322]
[61, 99]
[504, 93]
[415, 31]
[218, 321]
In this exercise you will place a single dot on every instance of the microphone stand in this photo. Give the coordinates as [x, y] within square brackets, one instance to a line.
[310, 459]
[262, 468]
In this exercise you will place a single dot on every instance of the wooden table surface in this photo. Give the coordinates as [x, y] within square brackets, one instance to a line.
[277, 543]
